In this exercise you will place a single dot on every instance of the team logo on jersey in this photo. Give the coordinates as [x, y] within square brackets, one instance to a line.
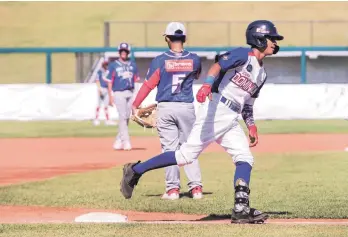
[249, 68]
[183, 65]
[125, 74]
[242, 80]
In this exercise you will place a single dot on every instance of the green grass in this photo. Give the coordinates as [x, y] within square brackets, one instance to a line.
[293, 185]
[11, 129]
[56, 24]
[301, 126]
[153, 230]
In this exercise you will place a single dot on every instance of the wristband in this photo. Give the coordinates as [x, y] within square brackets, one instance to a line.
[209, 80]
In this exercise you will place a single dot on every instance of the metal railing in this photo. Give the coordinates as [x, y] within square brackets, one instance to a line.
[225, 33]
[49, 51]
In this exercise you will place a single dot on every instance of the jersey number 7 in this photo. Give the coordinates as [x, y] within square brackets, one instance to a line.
[177, 80]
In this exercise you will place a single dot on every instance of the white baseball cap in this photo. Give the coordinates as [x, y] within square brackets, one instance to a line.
[176, 29]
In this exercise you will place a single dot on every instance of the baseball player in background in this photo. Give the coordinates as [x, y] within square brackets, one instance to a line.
[103, 95]
[233, 83]
[121, 77]
[173, 73]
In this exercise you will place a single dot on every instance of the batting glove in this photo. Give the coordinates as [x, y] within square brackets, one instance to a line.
[253, 135]
[203, 92]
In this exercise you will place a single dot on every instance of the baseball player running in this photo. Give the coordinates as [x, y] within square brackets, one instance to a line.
[173, 73]
[232, 83]
[121, 77]
[103, 95]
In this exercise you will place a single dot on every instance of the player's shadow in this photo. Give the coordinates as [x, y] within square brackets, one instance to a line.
[182, 195]
[280, 213]
[216, 217]
[139, 149]
[134, 149]
[187, 194]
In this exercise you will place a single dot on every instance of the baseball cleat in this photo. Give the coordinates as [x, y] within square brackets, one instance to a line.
[196, 192]
[129, 180]
[173, 194]
[127, 146]
[252, 216]
[118, 145]
[96, 122]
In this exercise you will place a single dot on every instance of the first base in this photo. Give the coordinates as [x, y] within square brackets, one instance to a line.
[101, 217]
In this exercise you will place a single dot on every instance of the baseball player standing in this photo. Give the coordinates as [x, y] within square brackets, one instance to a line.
[173, 73]
[121, 77]
[233, 83]
[103, 95]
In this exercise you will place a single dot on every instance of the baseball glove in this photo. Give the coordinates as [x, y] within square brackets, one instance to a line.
[146, 116]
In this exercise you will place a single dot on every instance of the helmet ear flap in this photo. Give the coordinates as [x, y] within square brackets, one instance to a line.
[276, 49]
[261, 41]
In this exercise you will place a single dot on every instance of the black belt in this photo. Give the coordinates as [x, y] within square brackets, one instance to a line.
[234, 106]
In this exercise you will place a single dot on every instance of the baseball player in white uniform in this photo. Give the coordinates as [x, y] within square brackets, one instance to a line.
[232, 85]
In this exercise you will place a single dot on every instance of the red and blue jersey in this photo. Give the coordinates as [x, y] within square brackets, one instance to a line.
[122, 75]
[173, 73]
[101, 74]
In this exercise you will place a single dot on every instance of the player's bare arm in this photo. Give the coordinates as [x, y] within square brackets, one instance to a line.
[214, 70]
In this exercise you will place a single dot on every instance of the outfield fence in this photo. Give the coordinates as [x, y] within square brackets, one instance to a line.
[78, 101]
[291, 65]
[225, 33]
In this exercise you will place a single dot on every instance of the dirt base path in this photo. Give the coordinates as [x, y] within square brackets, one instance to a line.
[25, 160]
[24, 214]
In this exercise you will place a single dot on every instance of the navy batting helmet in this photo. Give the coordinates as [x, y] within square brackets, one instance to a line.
[258, 32]
[124, 47]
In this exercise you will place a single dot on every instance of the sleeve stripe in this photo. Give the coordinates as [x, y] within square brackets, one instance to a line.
[154, 79]
[113, 77]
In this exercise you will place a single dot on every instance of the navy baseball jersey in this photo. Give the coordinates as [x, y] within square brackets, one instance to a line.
[101, 74]
[122, 75]
[241, 76]
[173, 73]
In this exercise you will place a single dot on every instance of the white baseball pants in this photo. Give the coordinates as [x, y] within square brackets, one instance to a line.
[215, 122]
